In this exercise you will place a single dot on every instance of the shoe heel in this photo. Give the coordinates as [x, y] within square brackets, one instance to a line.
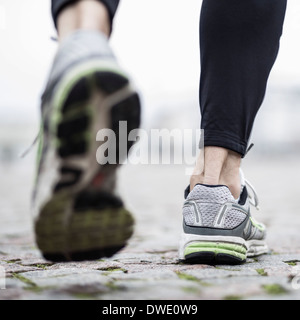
[212, 249]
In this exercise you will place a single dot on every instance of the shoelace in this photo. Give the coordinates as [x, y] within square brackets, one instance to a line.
[253, 197]
[252, 194]
[28, 149]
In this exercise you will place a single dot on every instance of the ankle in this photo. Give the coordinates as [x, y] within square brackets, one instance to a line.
[83, 15]
[233, 182]
[230, 174]
[218, 166]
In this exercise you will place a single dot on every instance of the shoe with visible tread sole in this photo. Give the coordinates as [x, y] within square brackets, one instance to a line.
[218, 229]
[77, 214]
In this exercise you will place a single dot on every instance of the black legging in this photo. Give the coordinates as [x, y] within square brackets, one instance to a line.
[239, 41]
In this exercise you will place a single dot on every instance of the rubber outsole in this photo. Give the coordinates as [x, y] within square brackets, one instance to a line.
[85, 224]
[83, 256]
[87, 234]
[211, 258]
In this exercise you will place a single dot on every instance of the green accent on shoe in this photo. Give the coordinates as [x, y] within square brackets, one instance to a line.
[217, 248]
[39, 152]
[257, 225]
[70, 81]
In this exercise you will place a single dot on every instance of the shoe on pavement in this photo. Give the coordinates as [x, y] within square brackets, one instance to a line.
[77, 213]
[219, 229]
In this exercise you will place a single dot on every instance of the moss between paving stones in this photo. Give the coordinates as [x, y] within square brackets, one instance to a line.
[185, 276]
[262, 272]
[113, 269]
[292, 263]
[233, 297]
[274, 289]
[30, 284]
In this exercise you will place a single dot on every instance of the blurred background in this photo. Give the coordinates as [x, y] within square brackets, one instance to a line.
[157, 42]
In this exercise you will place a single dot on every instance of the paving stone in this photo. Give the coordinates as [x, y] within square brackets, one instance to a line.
[148, 268]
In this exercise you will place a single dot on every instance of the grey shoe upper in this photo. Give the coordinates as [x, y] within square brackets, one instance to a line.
[212, 210]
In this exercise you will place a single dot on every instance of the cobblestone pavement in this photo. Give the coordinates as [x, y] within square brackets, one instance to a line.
[148, 268]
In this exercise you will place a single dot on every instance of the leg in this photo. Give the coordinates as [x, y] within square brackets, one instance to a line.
[221, 167]
[84, 15]
[82, 7]
[239, 44]
[78, 213]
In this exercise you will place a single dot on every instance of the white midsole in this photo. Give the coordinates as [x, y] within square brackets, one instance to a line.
[256, 248]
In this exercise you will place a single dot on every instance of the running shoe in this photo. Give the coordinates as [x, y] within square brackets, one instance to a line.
[77, 212]
[219, 229]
